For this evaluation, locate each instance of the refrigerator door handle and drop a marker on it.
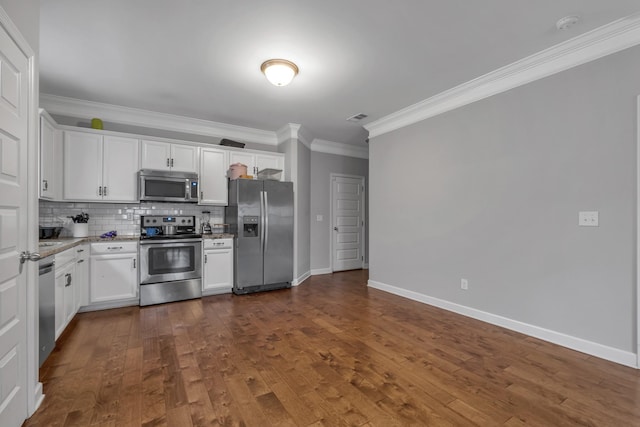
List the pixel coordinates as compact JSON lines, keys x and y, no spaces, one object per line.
{"x":266,"y":220}
{"x":262,"y":215}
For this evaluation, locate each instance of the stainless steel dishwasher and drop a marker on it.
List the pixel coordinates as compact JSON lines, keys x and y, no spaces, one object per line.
{"x":46,"y":307}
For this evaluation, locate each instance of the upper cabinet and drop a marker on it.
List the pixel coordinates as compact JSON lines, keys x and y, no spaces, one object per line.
{"x":165,"y":156}
{"x":100,"y":168}
{"x":258,"y":161}
{"x":213,"y":177}
{"x":50,"y":159}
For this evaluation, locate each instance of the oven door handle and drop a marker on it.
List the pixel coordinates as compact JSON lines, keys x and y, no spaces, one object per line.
{"x":173,"y":242}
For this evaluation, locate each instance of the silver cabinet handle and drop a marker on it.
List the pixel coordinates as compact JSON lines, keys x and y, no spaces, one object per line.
{"x":168,"y":162}
{"x":105,"y":191}
{"x":68,"y":280}
{"x":80,"y":261}
{"x":114,"y":248}
{"x":202,"y":195}
{"x":205,"y":258}
{"x":134,"y":263}
{"x":100,"y":191}
{"x":46,"y":184}
{"x":335,"y":228}
{"x":80,"y":250}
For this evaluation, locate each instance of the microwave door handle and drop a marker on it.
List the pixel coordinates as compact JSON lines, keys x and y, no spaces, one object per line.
{"x":187,"y":190}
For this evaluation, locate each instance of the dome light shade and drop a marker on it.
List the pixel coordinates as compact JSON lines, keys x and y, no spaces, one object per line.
{"x":279,"y":72}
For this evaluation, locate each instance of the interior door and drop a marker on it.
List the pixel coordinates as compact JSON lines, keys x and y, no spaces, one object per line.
{"x":347,"y":222}
{"x":14,"y":103}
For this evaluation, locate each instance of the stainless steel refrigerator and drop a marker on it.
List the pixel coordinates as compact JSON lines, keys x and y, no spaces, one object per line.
{"x":260,"y":214}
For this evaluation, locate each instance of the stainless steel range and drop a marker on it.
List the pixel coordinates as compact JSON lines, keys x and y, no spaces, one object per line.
{"x":170,"y":259}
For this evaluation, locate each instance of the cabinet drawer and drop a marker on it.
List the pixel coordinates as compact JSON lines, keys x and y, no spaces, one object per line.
{"x":64,"y":258}
{"x":218,"y":243}
{"x":114,"y":247}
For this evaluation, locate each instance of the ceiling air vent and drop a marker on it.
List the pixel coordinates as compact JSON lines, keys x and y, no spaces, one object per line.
{"x":357,"y":117}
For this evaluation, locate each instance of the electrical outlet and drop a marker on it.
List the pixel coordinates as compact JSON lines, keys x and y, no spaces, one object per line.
{"x":464,"y":284}
{"x":588,"y":219}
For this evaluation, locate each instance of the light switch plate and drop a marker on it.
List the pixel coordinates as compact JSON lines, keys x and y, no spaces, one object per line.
{"x":588,"y":219}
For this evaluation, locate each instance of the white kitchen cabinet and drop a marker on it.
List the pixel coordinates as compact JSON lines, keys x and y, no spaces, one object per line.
{"x":218,"y":266}
{"x":257,"y":161}
{"x":100,"y":168}
{"x":64,"y":295}
{"x":165,"y":156}
{"x":50,"y":158}
{"x":213,"y":177}
{"x":81,"y":276}
{"x":113,"y":271}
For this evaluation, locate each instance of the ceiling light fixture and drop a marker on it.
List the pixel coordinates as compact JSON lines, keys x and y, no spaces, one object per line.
{"x":567,"y":22}
{"x":279,"y":72}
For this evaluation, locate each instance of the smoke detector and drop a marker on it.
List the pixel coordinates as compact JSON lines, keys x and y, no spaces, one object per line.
{"x":357,"y":117}
{"x":567,"y":22}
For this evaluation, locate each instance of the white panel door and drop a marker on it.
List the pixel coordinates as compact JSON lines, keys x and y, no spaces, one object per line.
{"x":213,"y":177}
{"x":120,"y":168}
{"x":14,"y":125}
{"x":47,"y":159}
{"x":184,"y":158}
{"x":155,"y":155}
{"x":348,"y":223}
{"x":82,"y":166}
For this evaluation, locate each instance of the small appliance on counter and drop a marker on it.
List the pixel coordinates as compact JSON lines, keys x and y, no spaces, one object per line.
{"x":170,"y":259}
{"x":205,"y":222}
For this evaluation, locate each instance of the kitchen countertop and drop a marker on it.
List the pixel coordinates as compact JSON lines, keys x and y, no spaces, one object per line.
{"x":55,"y":246}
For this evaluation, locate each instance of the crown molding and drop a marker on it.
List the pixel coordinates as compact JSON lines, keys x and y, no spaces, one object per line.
{"x":600,"y":42}
{"x":81,"y":109}
{"x":340,"y":149}
{"x":294,"y":131}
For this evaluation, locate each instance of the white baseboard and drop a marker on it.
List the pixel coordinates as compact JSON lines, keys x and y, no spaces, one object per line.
{"x":594,"y":349}
{"x":38,"y":397}
{"x":304,"y":276}
{"x":318,"y":271}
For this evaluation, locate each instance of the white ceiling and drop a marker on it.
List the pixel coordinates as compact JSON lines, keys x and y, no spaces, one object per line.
{"x":201,"y":58}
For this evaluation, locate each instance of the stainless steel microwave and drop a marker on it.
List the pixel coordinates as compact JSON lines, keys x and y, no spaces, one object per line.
{"x":165,"y":186}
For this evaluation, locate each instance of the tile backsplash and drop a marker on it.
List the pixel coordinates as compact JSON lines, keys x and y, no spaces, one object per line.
{"x":122,"y":217}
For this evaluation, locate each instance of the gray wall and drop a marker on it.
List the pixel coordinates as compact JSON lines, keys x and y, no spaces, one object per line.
{"x":322,"y":166}
{"x":25,"y":14}
{"x":490,"y":192}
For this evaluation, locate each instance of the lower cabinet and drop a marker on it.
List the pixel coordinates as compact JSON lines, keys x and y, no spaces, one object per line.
{"x":65,"y":286}
{"x":81,"y":276}
{"x":218,"y":266}
{"x":114,"y":271}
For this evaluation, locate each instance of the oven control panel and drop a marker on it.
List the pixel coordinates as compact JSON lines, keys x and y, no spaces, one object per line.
{"x":159,"y":221}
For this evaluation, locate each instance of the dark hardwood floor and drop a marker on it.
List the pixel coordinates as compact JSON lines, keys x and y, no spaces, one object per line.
{"x":330,"y":352}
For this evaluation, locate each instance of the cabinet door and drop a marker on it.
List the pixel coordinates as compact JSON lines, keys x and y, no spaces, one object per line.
{"x":120,"y":168}
{"x":244,"y":158}
{"x":81,"y":276}
{"x":184,"y":158}
{"x":267,"y":161}
{"x":113,"y":277}
{"x":63,"y":297}
{"x":47,"y":159}
{"x":155,"y":155}
{"x":82,"y":166}
{"x":218,"y":270}
{"x":213,"y":177}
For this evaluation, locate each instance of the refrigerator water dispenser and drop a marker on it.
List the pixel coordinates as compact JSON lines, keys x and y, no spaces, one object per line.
{"x":250,"y":228}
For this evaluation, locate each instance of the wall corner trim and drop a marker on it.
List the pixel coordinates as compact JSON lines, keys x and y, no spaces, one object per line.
{"x":579,"y":344}
{"x":594,"y":44}
{"x":304,"y":276}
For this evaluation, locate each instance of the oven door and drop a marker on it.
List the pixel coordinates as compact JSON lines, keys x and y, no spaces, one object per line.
{"x":167,"y":261}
